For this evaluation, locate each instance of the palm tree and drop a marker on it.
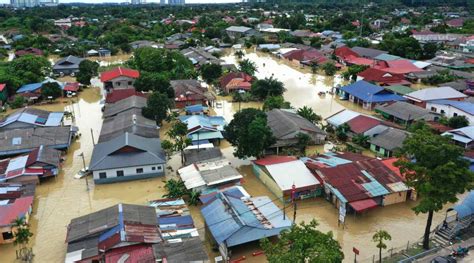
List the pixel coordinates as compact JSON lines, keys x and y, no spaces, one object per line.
{"x":361,"y":139}
{"x":248,"y":66}
{"x":308,"y":113}
{"x":22,"y":236}
{"x":239,"y":54}
{"x":379,"y":238}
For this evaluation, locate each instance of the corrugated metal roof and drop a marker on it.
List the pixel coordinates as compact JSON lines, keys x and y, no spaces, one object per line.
{"x":288,"y":173}
{"x":341,"y":117}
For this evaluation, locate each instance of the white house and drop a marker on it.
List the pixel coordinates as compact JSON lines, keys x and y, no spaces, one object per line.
{"x":451,"y":108}
{"x":127,"y":157}
{"x":119,"y":78}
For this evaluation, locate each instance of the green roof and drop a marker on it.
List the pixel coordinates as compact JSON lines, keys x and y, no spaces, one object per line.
{"x":400,"y":89}
{"x":387,"y":57}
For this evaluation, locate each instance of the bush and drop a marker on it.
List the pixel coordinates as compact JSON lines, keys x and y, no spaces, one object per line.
{"x":18,"y":102}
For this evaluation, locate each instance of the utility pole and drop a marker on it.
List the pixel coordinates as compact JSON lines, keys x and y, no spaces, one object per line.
{"x":294,"y":212}
{"x":93,"y":141}
{"x":85,"y":170}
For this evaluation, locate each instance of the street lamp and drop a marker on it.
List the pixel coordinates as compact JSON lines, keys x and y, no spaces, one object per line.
{"x":85,"y":170}
{"x":240,"y":91}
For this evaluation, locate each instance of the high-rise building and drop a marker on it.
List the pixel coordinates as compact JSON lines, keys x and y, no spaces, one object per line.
{"x":172,"y":2}
{"x":138,"y":2}
{"x":24,"y":3}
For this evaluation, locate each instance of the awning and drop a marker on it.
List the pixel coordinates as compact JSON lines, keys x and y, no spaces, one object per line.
{"x":362,"y":205}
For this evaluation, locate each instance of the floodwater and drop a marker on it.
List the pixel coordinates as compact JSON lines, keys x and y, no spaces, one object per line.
{"x":59,"y":200}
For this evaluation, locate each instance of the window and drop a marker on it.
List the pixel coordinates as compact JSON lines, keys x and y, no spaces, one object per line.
{"x":129,"y":83}
{"x":7,"y":235}
{"x":433,"y":109}
{"x":139,"y":170}
{"x":118,"y":83}
{"x":103,"y":175}
{"x":455,"y":114}
{"x":153,"y":168}
{"x":159,"y":167}
{"x":119,"y":173}
{"x":442,"y":111}
{"x":377,"y":148}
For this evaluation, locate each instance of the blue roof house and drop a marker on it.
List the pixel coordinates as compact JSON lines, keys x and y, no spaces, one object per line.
{"x":367,"y":94}
{"x":201,"y":127}
{"x":235,"y":219}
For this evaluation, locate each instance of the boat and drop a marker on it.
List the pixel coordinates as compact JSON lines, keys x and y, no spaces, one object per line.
{"x":322,"y":93}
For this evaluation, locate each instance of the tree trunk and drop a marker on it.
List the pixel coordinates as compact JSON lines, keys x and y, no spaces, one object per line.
{"x":426,"y":237}
{"x":380,"y":255}
{"x":182,"y":157}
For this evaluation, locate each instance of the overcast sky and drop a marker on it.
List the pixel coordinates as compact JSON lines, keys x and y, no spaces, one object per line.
{"x":148,"y":1}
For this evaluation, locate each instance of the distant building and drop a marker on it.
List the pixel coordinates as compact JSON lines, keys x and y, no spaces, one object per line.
{"x":138,"y":2}
{"x":67,"y":66}
{"x":24,"y":3}
{"x":172,"y":2}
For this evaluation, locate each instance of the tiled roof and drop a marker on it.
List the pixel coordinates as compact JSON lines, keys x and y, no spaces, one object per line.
{"x":119,"y":72}
{"x":377,"y":75}
{"x":120,"y":94}
{"x":19,"y":208}
{"x":362,"y":123}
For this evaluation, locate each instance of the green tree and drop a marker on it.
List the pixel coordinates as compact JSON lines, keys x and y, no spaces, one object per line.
{"x":352,"y":71}
{"x":275,"y":102}
{"x":194,"y":197}
{"x":175,"y":189}
{"x":87,"y":70}
{"x":179,"y":134}
{"x":267,"y":87}
{"x":18,"y":102}
{"x":168,"y":147}
{"x":362,"y":140}
{"x":247,"y":66}
{"x":303,"y":141}
{"x":329,"y":68}
{"x":22,"y":235}
{"x":158,"y":105}
{"x":211,"y":72}
{"x":438,"y":175}
{"x":379,"y":238}
{"x":303,"y":243}
{"x":154,"y":81}
{"x":249,"y":133}
{"x":308,"y":113}
{"x":341,"y":131}
{"x":239,"y":54}
{"x":30,"y":69}
{"x":457,"y":122}
{"x":51,"y":90}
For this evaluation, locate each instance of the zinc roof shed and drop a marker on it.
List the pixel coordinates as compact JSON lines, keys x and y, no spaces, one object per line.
{"x":341,"y":117}
{"x":439,"y":93}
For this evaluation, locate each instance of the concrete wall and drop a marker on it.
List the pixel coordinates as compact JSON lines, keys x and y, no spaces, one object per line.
{"x":449,"y":111}
{"x":381,"y":151}
{"x":130,"y":173}
{"x":268,"y":181}
{"x":122,"y":83}
{"x":394,"y":198}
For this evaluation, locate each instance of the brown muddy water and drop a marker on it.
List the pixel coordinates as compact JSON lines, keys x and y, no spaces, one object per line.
{"x":61,"y":199}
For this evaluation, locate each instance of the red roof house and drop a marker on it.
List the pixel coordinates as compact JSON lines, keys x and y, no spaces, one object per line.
{"x":356,"y":60}
{"x":382,"y":78}
{"x":362,"y":124}
{"x":457,"y":22}
{"x":29,"y":51}
{"x":119,"y":78}
{"x":399,"y":66}
{"x":236,"y":81}
{"x":120,"y":94}
{"x":305,"y":56}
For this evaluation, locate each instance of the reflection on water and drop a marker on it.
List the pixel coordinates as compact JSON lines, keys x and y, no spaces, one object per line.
{"x":61,"y":199}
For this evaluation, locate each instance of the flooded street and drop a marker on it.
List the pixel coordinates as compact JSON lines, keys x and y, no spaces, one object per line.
{"x":59,"y":200}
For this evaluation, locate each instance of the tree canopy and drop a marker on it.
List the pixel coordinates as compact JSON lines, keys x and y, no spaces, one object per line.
{"x":154,"y":81}
{"x":87,"y":70}
{"x":275,"y":102}
{"x":435,"y":167}
{"x":158,"y":105}
{"x":308,"y":113}
{"x":267,"y":87}
{"x":249,"y":133}
{"x":211,"y":72}
{"x":51,"y":90}
{"x":303,"y":243}
{"x":247,"y":66}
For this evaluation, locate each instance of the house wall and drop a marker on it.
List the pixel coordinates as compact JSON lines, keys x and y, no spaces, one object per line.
{"x":449,"y":111}
{"x":394,"y":198}
{"x":122,"y":83}
{"x":381,"y":151}
{"x":268,"y":181}
{"x":6,"y":229}
{"x":130,"y":173}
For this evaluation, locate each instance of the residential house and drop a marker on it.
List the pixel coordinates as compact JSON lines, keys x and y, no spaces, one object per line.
{"x":382,"y":78}
{"x":131,"y":121}
{"x":209,"y":176}
{"x":234,"y":218}
{"x":32,"y":91}
{"x":24,"y":140}
{"x":201,"y":155}
{"x":63,"y":23}
{"x":399,"y":89}
{"x":452,"y":108}
{"x":369,"y":53}
{"x":399,"y":66}
{"x":463,"y":137}
{"x":119,"y":78}
{"x":40,"y":163}
{"x":191,"y":92}
{"x":404,"y":113}
{"x":423,"y":96}
{"x":385,"y":143}
{"x":143,"y":43}
{"x":236,"y":32}
{"x":28,"y":51}
{"x":67,"y":66}
{"x":30,"y":118}
{"x":130,"y":103}
{"x":235,"y":81}
{"x":367,"y":95}
{"x":130,"y":232}
{"x":308,"y":57}
{"x":366,"y":126}
{"x":287,"y":177}
{"x":357,"y":186}
{"x":16,"y":201}
{"x":116,"y":95}
{"x":455,"y":23}
{"x":70,"y":88}
{"x":204,"y":128}
{"x":199,"y":56}
{"x":286,"y":125}
{"x":3,"y":93}
{"x":127,"y":157}
{"x":341,"y":117}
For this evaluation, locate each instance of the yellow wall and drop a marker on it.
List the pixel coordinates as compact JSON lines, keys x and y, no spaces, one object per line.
{"x":394,"y":198}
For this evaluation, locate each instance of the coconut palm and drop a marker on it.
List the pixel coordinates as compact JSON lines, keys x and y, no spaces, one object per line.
{"x":379,"y":238}
{"x":248,"y":66}
{"x":308,"y":113}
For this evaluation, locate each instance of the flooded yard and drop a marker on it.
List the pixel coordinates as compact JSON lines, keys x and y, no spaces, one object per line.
{"x":63,"y":198}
